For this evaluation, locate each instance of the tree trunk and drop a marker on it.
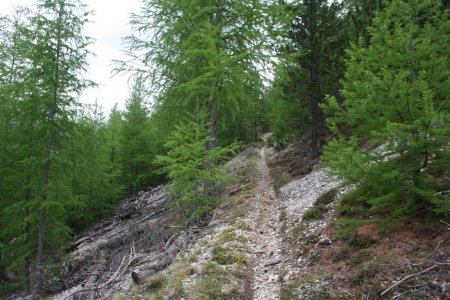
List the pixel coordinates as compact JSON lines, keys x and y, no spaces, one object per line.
{"x":40,"y":264}
{"x":28,"y":196}
{"x":314,"y":126}
{"x":27,"y":263}
{"x":314,"y":77}
{"x":214,"y":115}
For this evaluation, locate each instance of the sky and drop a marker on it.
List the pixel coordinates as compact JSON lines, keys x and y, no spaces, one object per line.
{"x":108,"y":25}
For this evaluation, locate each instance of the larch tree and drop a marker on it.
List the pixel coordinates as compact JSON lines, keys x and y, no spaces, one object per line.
{"x":199,"y":54}
{"x":112,"y":130}
{"x":135,"y":150}
{"x":195,"y":170}
{"x":60,"y":55}
{"x":396,"y":99}
{"x":47,"y":58}
{"x":15,"y":144}
{"x":93,"y":180}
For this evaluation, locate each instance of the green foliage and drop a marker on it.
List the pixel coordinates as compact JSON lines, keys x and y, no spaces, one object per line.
{"x":136,"y":152}
{"x":196,"y":173}
{"x":93,"y":174}
{"x":202,"y":54}
{"x":226,"y":256}
{"x":316,"y":212}
{"x":156,"y":283}
{"x":359,"y":17}
{"x":310,"y":67}
{"x":52,"y":155}
{"x":327,"y":197}
{"x":396,"y":96}
{"x":286,"y":116}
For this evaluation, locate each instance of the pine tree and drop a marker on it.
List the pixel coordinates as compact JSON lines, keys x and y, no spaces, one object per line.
{"x":112,"y":130}
{"x":396,"y":100}
{"x":136,"y":153}
{"x":48,"y":52}
{"x":200,"y":54}
{"x":195,"y":171}
{"x":317,"y":42}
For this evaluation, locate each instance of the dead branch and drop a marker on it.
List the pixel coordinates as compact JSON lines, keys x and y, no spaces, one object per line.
{"x":169,"y":241}
{"x":162,"y":260}
{"x":443,"y":222}
{"x":115,"y":275}
{"x":151,"y":215}
{"x":273,"y":262}
{"x":407,"y":277}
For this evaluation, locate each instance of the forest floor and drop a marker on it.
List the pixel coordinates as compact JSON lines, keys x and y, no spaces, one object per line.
{"x":408,"y":260}
{"x":275,"y":236}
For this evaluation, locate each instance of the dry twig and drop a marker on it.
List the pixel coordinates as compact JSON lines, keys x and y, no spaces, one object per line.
{"x":407,"y":277}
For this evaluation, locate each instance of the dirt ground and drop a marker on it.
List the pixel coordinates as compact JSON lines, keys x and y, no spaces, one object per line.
{"x":410,"y":260}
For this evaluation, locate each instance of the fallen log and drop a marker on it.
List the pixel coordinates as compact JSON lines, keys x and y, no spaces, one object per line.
{"x":89,"y":292}
{"x":162,"y":260}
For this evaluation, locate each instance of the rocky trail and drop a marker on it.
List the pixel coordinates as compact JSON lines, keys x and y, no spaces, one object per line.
{"x":265,"y":235}
{"x":271,"y":214}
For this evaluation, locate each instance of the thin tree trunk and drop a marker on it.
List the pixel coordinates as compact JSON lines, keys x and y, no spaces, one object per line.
{"x":314,"y":125}
{"x":214,"y":115}
{"x":27,"y":199}
{"x":27,"y":264}
{"x":40,"y":264}
{"x":314,"y":80}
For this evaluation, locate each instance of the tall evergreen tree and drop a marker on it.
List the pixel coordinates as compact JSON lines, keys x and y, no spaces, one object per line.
{"x":316,"y":48}
{"x":136,"y":153}
{"x":200,"y":53}
{"x":48,"y":55}
{"x":112,"y":130}
{"x":93,"y":180}
{"x":360,"y":15}
{"x":60,"y":56}
{"x":195,"y":171}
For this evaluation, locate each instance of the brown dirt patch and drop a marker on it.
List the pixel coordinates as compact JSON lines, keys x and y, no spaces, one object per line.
{"x":366,"y":263}
{"x":291,"y":163}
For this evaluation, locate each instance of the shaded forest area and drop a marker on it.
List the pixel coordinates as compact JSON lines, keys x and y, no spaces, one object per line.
{"x":372,"y":76}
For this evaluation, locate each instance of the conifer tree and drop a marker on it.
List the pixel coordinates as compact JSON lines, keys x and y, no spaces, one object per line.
{"x":396,"y":100}
{"x":48,"y":55}
{"x":199,"y":53}
{"x":360,"y":15}
{"x":112,"y":130}
{"x":316,"y":50}
{"x":93,"y":181}
{"x":136,"y":153}
{"x":195,"y":171}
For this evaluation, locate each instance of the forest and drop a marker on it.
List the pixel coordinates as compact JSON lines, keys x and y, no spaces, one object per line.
{"x":366,"y":81}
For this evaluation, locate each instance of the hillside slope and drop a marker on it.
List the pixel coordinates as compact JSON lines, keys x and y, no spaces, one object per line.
{"x":273,"y":237}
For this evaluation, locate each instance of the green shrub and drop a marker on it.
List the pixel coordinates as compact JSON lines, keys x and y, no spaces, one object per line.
{"x":227,"y":256}
{"x":327,"y":197}
{"x":315,"y":213}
